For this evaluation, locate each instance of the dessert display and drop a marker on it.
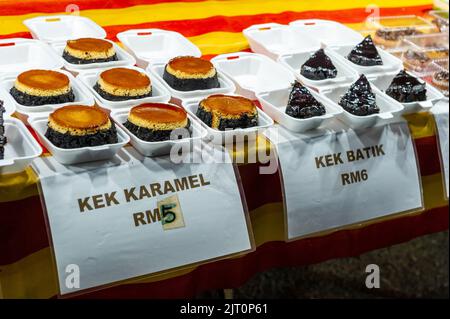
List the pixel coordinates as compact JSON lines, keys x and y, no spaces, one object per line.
{"x":89,"y":50}
{"x":2,"y":132}
{"x":302,"y":104}
{"x":440,"y":80}
{"x":365,"y":53}
{"x":154,"y":122}
{"x":406,"y":88}
{"x":223,"y":112}
{"x":389,"y":38}
{"x":76,"y":126}
{"x":122,"y":84}
{"x":40,"y":87}
{"x":359,"y":99}
{"x":415,"y":60}
{"x":318,"y":67}
{"x":188,"y":73}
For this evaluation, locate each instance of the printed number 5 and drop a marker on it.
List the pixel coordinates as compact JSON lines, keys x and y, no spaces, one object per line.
{"x":168,"y":216}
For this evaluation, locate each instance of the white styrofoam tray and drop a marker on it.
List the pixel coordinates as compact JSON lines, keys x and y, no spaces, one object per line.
{"x":228,"y":136}
{"x":151,"y":46}
{"x":328,"y":32}
{"x":162,"y":147}
{"x":253,"y":73}
{"x":273,"y":40}
{"x":18,"y":55}
{"x":82,"y":96}
{"x":124,"y":59}
{"x":59,"y":28}
{"x":274,"y":103}
{"x":159,"y":91}
{"x":226,"y":85}
{"x":21,"y":147}
{"x":389,"y":108}
{"x":390,"y":62}
{"x":294,"y":62}
{"x":77,"y":155}
{"x":433,"y":95}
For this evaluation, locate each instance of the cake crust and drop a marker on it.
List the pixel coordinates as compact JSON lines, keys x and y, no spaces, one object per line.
{"x":189,"y":67}
{"x":158,"y":116}
{"x":42,"y":83}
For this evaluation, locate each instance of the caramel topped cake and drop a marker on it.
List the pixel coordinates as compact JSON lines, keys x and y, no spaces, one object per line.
{"x":121,"y":84}
{"x":76,"y":126}
{"x":39,"y":87}
{"x":223,"y":112}
{"x":89,"y":50}
{"x":188,"y":73}
{"x":153,"y":122}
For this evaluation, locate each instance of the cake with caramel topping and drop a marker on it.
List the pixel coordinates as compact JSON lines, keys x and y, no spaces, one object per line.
{"x":223,"y":112}
{"x":76,"y":126}
{"x":89,"y":50}
{"x":188,"y":73}
{"x":154,"y":122}
{"x":40,"y":87}
{"x":121,"y":84}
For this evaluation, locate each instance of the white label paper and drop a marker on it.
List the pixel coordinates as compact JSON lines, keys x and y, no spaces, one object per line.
{"x":123,"y":221}
{"x":337,"y":179}
{"x":441,"y":118}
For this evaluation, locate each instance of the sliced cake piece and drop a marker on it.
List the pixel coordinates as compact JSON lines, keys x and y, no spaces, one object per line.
{"x":302,"y":104}
{"x":407,"y":88}
{"x":359,"y":99}
{"x":318,"y":67}
{"x":365,"y":53}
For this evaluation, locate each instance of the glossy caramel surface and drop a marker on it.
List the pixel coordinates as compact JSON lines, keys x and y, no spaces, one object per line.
{"x":90,"y":45}
{"x":44,"y":79}
{"x":79,"y":117}
{"x":158,"y":112}
{"x":228,"y":104}
{"x":190,"y":65}
{"x":125,"y":78}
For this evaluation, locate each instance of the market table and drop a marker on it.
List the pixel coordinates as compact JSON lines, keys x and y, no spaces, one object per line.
{"x":26,"y":264}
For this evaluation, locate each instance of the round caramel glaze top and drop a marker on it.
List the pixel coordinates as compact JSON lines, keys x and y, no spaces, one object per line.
{"x":44,"y":79}
{"x":228,"y":104}
{"x":79,"y":117}
{"x":125,"y":78}
{"x":190,"y":65}
{"x":159,"y":113}
{"x":90,"y":45}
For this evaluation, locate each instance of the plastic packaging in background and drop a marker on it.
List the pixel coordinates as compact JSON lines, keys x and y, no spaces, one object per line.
{"x":274,"y":39}
{"x":253,"y":73}
{"x":19,"y":55}
{"x":429,"y":75}
{"x":228,"y":136}
{"x":389,"y":31}
{"x":434,"y":45}
{"x":77,"y":155}
{"x":198,"y":132}
{"x":60,"y":28}
{"x":152,"y":46}
{"x":440,"y":19}
{"x":274,"y":104}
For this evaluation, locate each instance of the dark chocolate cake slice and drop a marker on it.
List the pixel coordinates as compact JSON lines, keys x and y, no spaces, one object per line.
{"x":2,"y":131}
{"x":365,"y":53}
{"x":318,"y":67}
{"x":407,"y":88}
{"x":302,"y":104}
{"x":359,"y":99}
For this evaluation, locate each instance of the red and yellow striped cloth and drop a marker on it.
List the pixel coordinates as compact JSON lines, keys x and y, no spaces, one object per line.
{"x":26,"y":268}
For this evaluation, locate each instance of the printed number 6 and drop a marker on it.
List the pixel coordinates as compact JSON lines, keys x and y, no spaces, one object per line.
{"x":168,"y":215}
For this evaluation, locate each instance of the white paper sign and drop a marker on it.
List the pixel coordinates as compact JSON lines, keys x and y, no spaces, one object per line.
{"x":440,"y":112}
{"x":105,"y":223}
{"x":337,"y":179}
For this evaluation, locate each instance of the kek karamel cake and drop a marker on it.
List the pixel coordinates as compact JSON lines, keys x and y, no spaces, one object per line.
{"x":76,"y":126}
{"x":122,"y":84}
{"x":188,"y":73}
{"x":89,"y":50}
{"x":359,"y":99}
{"x":365,"y":53}
{"x":154,"y":122}
{"x":223,"y":112}
{"x":318,"y":67}
{"x":40,"y":87}
{"x":406,"y":88}
{"x":302,"y":104}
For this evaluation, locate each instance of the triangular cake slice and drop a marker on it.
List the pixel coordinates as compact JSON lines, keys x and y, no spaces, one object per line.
{"x":318,"y":67}
{"x":407,"y":88}
{"x":365,"y":53}
{"x":302,"y":104}
{"x":359,"y":99}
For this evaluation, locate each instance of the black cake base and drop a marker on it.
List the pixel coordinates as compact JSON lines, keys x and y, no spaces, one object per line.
{"x":32,"y":100}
